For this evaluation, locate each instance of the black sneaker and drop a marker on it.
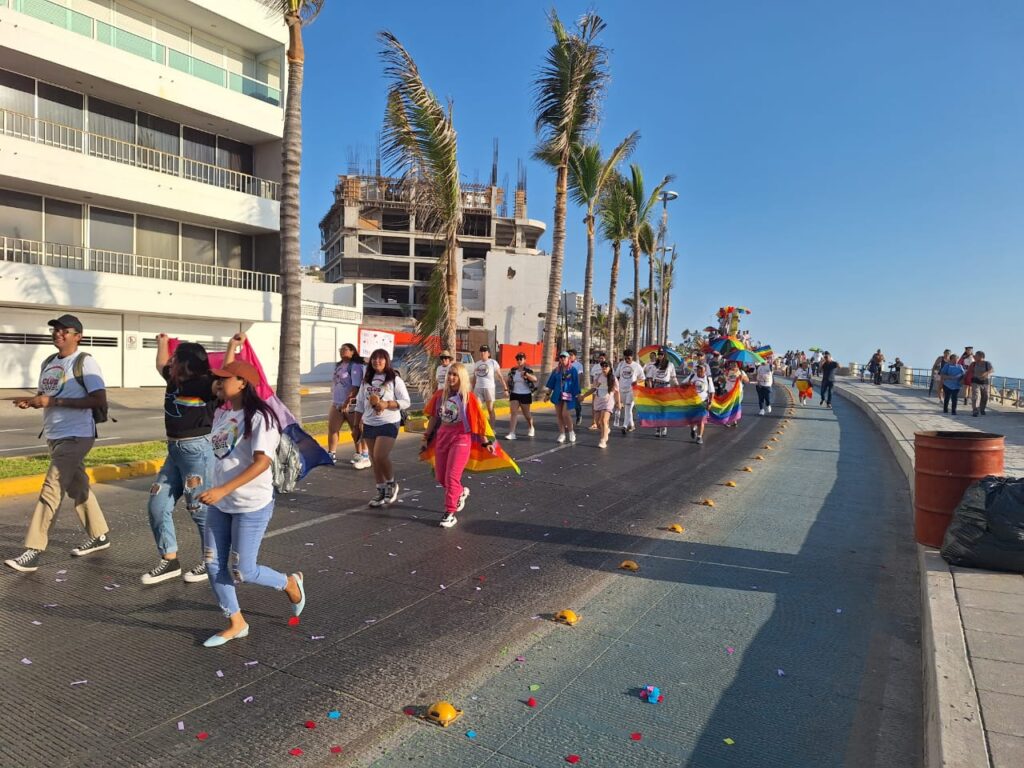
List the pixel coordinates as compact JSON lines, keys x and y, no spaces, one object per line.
{"x":462,"y":500}
{"x":167,"y":569}
{"x":391,"y":492}
{"x":382,"y":497}
{"x":92,"y":545}
{"x":196,"y":574}
{"x":26,"y":562}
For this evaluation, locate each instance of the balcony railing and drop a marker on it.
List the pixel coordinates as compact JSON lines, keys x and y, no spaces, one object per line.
{"x":122,"y":39}
{"x":21,"y":251}
{"x":66,"y":137}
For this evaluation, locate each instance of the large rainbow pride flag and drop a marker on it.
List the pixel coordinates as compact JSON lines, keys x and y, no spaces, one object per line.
{"x":725,"y":407}
{"x":682,"y":406}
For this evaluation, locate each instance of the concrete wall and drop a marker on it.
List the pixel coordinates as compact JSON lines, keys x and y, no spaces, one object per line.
{"x":513,"y":304}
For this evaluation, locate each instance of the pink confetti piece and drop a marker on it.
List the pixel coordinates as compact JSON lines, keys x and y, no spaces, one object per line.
{"x":330,"y":557}
{"x":636,"y":736}
{"x":181,"y":725}
{"x":534,"y":567}
{"x":251,"y":663}
{"x":443,"y":587}
{"x":248,"y":700}
{"x":317,"y":637}
{"x":26,"y":661}
{"x":392,"y":554}
{"x":839,"y":610}
{"x":79,"y":682}
{"x":730,"y":650}
{"x":310,"y":544}
{"x":220,"y":673}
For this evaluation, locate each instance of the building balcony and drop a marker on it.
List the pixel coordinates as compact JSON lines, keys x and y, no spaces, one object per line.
{"x":76,"y":140}
{"x":74,"y":257}
{"x":129,"y":42}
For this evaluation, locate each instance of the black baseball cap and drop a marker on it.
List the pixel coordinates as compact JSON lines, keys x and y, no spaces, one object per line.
{"x":520,"y":356}
{"x":67,"y":321}
{"x":484,"y":348}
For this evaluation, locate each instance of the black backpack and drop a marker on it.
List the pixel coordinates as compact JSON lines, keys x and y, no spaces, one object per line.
{"x":99,"y":414}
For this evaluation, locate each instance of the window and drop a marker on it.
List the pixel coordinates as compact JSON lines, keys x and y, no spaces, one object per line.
{"x":17,"y":93}
{"x":63,"y":222}
{"x":234,"y":250}
{"x":111,"y":131}
{"x":234,"y":155}
{"x":60,"y":108}
{"x":268,"y":254}
{"x":161,"y":135}
{"x":197,"y":245}
{"x":476,"y":322}
{"x":21,"y":215}
{"x":424,"y":271}
{"x":111,"y":230}
{"x":157,"y":238}
{"x":199,"y":145}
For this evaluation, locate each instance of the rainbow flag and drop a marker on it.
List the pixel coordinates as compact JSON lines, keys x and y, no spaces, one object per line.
{"x":669,"y":406}
{"x":480,"y":459}
{"x":726,"y":407}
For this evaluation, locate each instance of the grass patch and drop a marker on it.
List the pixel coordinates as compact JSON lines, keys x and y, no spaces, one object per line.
{"x":20,"y":466}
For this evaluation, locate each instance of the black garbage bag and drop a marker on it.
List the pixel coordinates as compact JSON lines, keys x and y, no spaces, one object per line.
{"x":987,"y":530}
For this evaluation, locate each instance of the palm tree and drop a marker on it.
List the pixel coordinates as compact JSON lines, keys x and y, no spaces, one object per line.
{"x":615,"y":212}
{"x":567,"y":96}
{"x":667,"y":273}
{"x":642,"y":205}
{"x":419,"y":141}
{"x":296,"y":14}
{"x":588,"y":175}
{"x":648,"y":247}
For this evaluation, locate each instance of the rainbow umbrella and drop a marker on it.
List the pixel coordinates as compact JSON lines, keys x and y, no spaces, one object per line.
{"x":673,"y":356}
{"x":727,"y":344}
{"x":745,"y":357}
{"x":742,"y":310}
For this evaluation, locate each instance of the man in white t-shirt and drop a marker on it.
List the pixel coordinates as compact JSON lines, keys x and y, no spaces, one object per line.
{"x":486,"y":375}
{"x":765,"y":379}
{"x":650,"y":368}
{"x":629,"y":373}
{"x":70,"y":387}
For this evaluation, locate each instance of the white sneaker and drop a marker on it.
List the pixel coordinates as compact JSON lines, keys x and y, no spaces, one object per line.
{"x":530,"y":432}
{"x":334,"y":457}
{"x":462,"y":500}
{"x":603,"y":444}
{"x":769,"y":409}
{"x":761,"y":412}
{"x":572,"y":437}
{"x":448,"y":521}
{"x":355,"y":458}
{"x":510,"y":436}
{"x":561,"y":437}
{"x":363,"y":462}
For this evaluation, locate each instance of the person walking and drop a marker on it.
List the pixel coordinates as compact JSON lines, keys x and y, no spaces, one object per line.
{"x":965,"y":362}
{"x":875,"y":366}
{"x":981,"y":377}
{"x":382,"y":396}
{"x":189,"y":404}
{"x":765,"y":378}
{"x":70,"y":392}
{"x":629,"y":373}
{"x":595,"y":371}
{"x":441,"y":373}
{"x":803,"y":383}
{"x":735,"y":376}
{"x":348,"y":374}
{"x":663,"y":375}
{"x":650,"y":367}
{"x":563,"y":388}
{"x":704,"y":385}
{"x":486,"y":375}
{"x":952,"y":374}
{"x":245,"y":437}
{"x":575,"y":363}
{"x":828,"y":378}
{"x":936,"y":379}
{"x":607,"y":399}
{"x":456,"y":420}
{"x":522,"y":383}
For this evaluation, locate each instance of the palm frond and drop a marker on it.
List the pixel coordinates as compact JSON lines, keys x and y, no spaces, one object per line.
{"x":306,"y":10}
{"x":584,"y":173}
{"x":615,"y":210}
{"x":646,"y":238}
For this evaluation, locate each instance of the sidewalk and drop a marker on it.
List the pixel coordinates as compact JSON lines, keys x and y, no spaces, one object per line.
{"x":973,"y":621}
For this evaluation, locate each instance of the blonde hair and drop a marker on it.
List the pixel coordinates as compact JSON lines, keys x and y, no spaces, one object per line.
{"x":464,"y":390}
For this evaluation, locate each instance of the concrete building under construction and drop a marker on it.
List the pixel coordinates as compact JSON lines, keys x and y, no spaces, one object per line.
{"x":371,"y":236}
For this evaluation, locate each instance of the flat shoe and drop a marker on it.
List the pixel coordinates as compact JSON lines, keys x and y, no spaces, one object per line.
{"x":297,"y":607}
{"x":215,"y":641}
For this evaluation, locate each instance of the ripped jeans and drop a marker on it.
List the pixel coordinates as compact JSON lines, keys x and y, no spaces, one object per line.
{"x":186,"y":472}
{"x":232,"y":545}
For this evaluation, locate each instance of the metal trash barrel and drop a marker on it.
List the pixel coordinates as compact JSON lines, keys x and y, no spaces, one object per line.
{"x":945,"y":463}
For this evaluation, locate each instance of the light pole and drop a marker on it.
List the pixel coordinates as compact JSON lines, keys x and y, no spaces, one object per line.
{"x":664,"y":196}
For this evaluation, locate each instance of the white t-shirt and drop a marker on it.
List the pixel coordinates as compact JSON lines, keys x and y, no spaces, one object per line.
{"x":442,"y":374}
{"x":764,"y":375}
{"x":595,"y":371}
{"x":450,"y":411}
{"x":732,"y":378}
{"x":703,"y":384}
{"x":233,"y":454}
{"x":57,"y":379}
{"x":628,"y":374}
{"x":520,"y":386}
{"x":604,"y":400}
{"x":663,"y":378}
{"x":387,"y":391}
{"x":485,"y":372}
{"x":802,"y":374}
{"x":649,"y":370}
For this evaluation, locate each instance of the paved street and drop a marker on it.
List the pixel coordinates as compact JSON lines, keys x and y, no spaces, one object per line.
{"x":806,"y":566}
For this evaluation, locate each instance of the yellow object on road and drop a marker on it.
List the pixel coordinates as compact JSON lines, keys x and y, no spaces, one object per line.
{"x":567,"y":617}
{"x":708,"y":503}
{"x":629,"y":565}
{"x":676,"y":528}
{"x":443,"y":713}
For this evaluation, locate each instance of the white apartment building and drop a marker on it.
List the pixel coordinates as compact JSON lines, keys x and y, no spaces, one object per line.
{"x":140,"y":161}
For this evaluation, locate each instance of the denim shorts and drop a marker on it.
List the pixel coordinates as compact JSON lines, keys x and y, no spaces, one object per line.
{"x":384,"y":430}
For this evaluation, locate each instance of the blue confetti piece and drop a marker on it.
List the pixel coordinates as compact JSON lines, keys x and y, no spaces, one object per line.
{"x":334,"y":714}
{"x":470,"y":734}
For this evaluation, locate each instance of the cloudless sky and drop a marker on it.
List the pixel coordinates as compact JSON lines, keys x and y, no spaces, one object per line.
{"x":852,"y":172}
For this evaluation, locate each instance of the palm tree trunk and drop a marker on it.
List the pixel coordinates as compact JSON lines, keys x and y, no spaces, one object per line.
{"x":451,"y":280}
{"x":588,"y":298}
{"x":667,"y":303}
{"x":635,"y":248}
{"x":613,"y":286}
{"x":653,"y":290}
{"x":291,"y":282}
{"x":555,"y":279}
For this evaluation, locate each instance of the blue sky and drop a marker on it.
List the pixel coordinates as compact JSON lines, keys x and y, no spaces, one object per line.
{"x":851,"y":172}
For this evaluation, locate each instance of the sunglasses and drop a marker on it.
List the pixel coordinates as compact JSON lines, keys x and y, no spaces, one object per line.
{"x":446,"y":357}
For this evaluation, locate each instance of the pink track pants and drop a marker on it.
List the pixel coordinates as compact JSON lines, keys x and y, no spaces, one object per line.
{"x":450,"y":456}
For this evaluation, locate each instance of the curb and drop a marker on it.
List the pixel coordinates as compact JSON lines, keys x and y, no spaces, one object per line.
{"x":954,"y":736}
{"x":109,"y":473}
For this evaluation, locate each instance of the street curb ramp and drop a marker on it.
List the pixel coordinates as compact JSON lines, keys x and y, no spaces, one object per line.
{"x":954,"y":734}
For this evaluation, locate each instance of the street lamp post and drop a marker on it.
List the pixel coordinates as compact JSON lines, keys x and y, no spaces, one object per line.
{"x":665,"y":196}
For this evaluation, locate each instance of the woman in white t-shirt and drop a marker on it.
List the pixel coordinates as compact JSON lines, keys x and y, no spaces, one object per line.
{"x":705,"y":388}
{"x":803,"y":383}
{"x":735,"y":375}
{"x":606,"y":400}
{"x":629,"y":373}
{"x":381,"y":399}
{"x":663,"y":374}
{"x":240,"y":504}
{"x":522,"y":382}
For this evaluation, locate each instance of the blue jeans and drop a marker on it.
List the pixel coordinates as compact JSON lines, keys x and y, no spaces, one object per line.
{"x":189,"y":463}
{"x":826,"y":391}
{"x":764,"y":397}
{"x":232,"y":545}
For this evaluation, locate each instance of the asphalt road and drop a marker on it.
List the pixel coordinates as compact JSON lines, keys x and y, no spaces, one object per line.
{"x":400,"y":612}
